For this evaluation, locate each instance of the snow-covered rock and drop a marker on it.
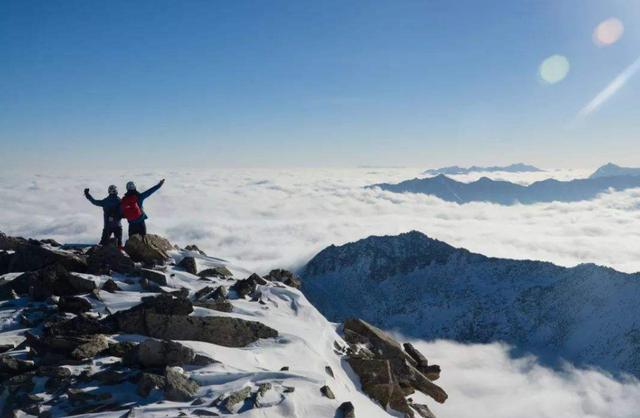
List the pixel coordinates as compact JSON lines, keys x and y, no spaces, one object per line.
{"x":277,"y":374}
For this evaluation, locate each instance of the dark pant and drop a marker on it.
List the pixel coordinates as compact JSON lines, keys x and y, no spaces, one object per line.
{"x":139,"y":228}
{"x":116,"y":230}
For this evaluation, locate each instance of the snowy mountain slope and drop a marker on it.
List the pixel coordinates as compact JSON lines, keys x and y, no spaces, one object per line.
{"x":290,"y":368}
{"x":427,"y":289}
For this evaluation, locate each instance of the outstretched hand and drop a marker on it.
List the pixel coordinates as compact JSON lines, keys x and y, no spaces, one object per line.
{"x":161,"y":182}
{"x":86,"y":191}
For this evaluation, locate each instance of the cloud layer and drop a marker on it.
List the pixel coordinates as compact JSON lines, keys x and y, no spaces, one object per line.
{"x":262,"y":219}
{"x":483,"y":381}
{"x":280,"y":218}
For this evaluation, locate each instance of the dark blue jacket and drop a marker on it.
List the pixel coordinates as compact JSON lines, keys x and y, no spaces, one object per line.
{"x":141,"y":197}
{"x":110,"y":208}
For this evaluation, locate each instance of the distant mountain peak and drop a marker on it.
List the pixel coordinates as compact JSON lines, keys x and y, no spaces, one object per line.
{"x":427,"y":288}
{"x":614,"y":170}
{"x":455,"y":170}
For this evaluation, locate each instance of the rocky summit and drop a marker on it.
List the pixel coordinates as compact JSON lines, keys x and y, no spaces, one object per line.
{"x":396,"y":282}
{"x":160,"y":331}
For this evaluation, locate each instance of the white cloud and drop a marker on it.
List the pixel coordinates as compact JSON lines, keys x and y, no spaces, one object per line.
{"x":279,"y":218}
{"x":484,"y":381}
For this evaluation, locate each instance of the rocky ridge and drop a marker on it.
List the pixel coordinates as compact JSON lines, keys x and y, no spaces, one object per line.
{"x":164,"y":331}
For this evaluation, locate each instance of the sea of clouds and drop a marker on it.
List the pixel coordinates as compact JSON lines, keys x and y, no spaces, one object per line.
{"x":261,"y":219}
{"x":484,"y":381}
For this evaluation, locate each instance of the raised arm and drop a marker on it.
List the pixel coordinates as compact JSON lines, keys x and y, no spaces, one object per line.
{"x":152,"y":190}
{"x":92,"y":200}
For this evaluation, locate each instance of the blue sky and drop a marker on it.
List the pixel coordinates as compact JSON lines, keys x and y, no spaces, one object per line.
{"x":95,"y":84}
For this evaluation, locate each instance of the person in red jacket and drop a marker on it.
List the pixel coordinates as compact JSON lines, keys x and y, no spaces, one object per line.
{"x":133,"y":210}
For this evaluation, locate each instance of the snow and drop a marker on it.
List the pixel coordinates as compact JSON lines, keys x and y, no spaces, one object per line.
{"x":305,"y":345}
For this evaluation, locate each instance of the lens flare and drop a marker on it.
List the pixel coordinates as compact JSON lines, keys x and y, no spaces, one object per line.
{"x":608,"y":32}
{"x":554,"y":69}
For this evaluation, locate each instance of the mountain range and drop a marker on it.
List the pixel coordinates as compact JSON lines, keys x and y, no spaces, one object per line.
{"x":508,"y":193}
{"x":611,"y":170}
{"x":454,"y":170}
{"x":425,"y":288}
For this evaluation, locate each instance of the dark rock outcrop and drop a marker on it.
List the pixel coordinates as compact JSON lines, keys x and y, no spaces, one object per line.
{"x":155,"y":276}
{"x":218,"y":271}
{"x":327,"y":392}
{"x":248,"y":286}
{"x":110,"y":286}
{"x":50,"y":280}
{"x":30,"y":255}
{"x":234,"y":401}
{"x":162,"y":353}
{"x":108,"y":258}
{"x":73,"y":304}
{"x":178,"y":387}
{"x":189,"y":265}
{"x":387,"y":372}
{"x":167,"y":317}
{"x":346,"y":410}
{"x":149,"y":250}
{"x":194,"y":248}
{"x":284,"y":276}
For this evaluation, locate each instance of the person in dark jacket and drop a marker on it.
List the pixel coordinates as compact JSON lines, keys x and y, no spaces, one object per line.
{"x":111,"y":210}
{"x":133,"y":210}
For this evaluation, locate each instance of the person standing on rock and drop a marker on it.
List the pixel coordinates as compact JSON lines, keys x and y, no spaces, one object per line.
{"x":132,"y":207}
{"x":111,"y":209}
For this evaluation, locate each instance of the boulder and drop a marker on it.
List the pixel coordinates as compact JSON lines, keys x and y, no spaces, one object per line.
{"x":188,"y":264}
{"x":346,"y":410}
{"x":204,"y":292}
{"x":216,"y":305}
{"x":73,"y":304}
{"x":178,"y":387}
{"x":11,"y":365}
{"x":166,"y":317}
{"x":149,"y":381}
{"x":375,"y":378}
{"x":327,"y":392}
{"x":284,"y":276}
{"x":248,"y":286}
{"x":195,"y":249}
{"x":110,"y":286}
{"x":381,"y":344}
{"x":108,"y":258}
{"x":33,"y":255}
{"x":217,"y":271}
{"x":162,"y":353}
{"x":123,"y":349}
{"x":76,"y":347}
{"x":155,"y":276}
{"x":149,"y":250}
{"x":51,"y":280}
{"x":89,"y":348}
{"x":423,"y":410}
{"x":432,"y":372}
{"x":226,"y":331}
{"x":376,"y":351}
{"x":80,"y":325}
{"x":235,"y":400}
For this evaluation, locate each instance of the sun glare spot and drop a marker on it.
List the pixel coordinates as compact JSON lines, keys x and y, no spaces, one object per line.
{"x":608,"y":32}
{"x":554,"y":69}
